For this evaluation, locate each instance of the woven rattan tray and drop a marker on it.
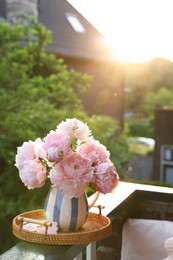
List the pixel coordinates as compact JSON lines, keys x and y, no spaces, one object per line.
{"x":95,"y":228}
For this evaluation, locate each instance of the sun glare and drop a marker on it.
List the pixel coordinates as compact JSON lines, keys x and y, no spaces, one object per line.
{"x":136,"y":30}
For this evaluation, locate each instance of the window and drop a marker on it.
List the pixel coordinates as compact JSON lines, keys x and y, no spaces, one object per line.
{"x":166,"y":164}
{"x":75,"y":23}
{"x":168,"y":174}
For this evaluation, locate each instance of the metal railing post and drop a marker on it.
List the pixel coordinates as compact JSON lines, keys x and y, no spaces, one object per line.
{"x":91,"y":251}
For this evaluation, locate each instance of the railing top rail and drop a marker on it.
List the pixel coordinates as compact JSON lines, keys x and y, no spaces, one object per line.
{"x":113,"y":202}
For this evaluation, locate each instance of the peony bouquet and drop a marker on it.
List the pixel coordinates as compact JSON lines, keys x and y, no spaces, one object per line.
{"x":70,"y":157}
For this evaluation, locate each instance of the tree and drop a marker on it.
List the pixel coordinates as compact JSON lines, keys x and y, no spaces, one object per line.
{"x":37,"y":92}
{"x":34,"y":86}
{"x":145,"y":77}
{"x":163,"y":97}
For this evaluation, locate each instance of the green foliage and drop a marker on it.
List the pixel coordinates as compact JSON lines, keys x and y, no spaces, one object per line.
{"x":103,"y":127}
{"x":37,"y":92}
{"x":145,"y":80}
{"x":120,"y":153}
{"x":36,"y":89}
{"x":149,"y":75}
{"x":140,"y":128}
{"x":106,"y":130}
{"x":163,"y":97}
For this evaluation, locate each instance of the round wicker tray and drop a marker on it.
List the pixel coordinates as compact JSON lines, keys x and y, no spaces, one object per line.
{"x":95,"y":228}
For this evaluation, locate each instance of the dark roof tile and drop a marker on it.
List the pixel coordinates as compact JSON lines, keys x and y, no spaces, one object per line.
{"x":66,"y":41}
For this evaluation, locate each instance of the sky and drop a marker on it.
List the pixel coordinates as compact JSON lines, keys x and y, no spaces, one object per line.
{"x":135,"y":30}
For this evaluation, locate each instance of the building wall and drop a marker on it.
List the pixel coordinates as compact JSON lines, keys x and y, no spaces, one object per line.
{"x":3,"y":9}
{"x":106,"y":94}
{"x":163,"y":136}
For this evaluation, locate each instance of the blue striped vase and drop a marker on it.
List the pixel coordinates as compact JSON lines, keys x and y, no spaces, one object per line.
{"x":70,"y":214}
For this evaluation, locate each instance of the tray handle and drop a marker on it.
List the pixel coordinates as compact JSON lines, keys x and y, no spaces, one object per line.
{"x":100,"y":207}
{"x":34,"y":221}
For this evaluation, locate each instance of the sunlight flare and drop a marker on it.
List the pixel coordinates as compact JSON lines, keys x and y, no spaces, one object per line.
{"x":135,"y":30}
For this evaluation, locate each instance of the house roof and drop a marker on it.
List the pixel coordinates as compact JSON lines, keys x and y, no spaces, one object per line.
{"x":66,"y":41}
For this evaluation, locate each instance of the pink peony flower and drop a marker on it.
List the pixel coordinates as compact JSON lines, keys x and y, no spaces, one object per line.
{"x":72,"y":175}
{"x":74,"y":129}
{"x":105,"y":178}
{"x":70,"y":157}
{"x":29,"y":151}
{"x":95,"y":151}
{"x":57,"y":146}
{"x":33,"y":174}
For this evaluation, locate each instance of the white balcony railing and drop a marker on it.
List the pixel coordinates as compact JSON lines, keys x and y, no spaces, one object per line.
{"x":124,"y":201}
